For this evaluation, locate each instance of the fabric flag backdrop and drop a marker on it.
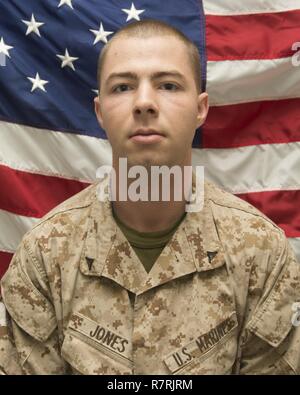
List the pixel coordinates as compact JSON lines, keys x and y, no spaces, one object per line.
{"x":51,"y":144}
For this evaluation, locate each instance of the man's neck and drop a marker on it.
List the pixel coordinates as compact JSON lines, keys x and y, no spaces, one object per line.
{"x":151,"y":216}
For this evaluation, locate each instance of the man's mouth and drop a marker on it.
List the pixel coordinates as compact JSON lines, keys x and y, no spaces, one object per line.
{"x":146,"y":136}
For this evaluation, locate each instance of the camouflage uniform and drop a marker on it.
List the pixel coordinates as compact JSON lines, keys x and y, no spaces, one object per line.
{"x":217,"y":301}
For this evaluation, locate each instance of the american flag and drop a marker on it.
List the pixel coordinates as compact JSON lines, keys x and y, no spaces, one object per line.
{"x":51,"y":144}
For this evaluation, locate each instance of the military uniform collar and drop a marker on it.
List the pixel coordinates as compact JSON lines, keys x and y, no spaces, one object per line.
{"x":193,"y":247}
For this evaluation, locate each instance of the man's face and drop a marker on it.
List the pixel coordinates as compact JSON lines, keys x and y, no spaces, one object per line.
{"x":149,"y":105}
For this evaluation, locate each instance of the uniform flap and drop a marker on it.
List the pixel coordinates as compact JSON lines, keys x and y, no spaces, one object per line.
{"x":26,"y":305}
{"x":273,"y":320}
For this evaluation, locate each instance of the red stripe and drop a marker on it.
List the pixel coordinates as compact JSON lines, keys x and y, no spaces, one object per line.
{"x":5,"y":258}
{"x":267,"y":122}
{"x":33,"y":195}
{"x":282,"y":207}
{"x":258,"y":36}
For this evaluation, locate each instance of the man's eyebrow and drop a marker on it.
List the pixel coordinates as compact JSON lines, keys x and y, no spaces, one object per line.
{"x":159,"y":74}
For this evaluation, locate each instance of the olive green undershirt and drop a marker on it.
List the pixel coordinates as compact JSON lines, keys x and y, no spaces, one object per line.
{"x":148,"y":245}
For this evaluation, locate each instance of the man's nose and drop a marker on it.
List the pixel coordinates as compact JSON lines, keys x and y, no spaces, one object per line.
{"x":145,"y":101}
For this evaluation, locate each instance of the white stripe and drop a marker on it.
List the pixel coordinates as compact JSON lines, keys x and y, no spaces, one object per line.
{"x":12,"y":229}
{"x":241,"y":81}
{"x":58,"y":154}
{"x":255,"y":168}
{"x":239,"y":170}
{"x":295,"y":243}
{"x":236,"y":7}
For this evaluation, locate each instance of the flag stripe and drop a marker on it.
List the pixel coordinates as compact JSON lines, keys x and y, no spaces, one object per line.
{"x":240,"y":81}
{"x":258,"y":36}
{"x":45,"y":192}
{"x":238,"y":7}
{"x":241,"y":166}
{"x":52,"y":153}
{"x":12,"y":228}
{"x":253,"y":168}
{"x":226,"y":127}
{"x":252,"y":123}
{"x":282,"y":207}
{"x":5,"y":258}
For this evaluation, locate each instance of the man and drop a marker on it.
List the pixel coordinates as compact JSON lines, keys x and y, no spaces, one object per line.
{"x":142,"y":287}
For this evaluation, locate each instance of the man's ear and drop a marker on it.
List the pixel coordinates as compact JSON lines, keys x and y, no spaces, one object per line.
{"x":203,"y":107}
{"x":98,"y":111}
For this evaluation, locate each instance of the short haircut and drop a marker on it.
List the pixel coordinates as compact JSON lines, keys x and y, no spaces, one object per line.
{"x":148,"y":28}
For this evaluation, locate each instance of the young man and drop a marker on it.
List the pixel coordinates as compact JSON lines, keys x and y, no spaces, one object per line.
{"x":142,"y":287}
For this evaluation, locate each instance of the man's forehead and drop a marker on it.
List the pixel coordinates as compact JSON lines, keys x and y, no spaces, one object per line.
{"x":146,"y":37}
{"x":118,"y":44}
{"x":125,"y":54}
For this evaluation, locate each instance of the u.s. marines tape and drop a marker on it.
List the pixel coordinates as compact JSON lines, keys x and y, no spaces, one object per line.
{"x":200,"y":345}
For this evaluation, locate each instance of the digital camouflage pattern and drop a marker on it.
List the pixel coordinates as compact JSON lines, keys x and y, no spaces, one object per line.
{"x":76,"y":299}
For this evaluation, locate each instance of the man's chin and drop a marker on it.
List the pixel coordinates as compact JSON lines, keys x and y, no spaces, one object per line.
{"x":148,"y":163}
{"x":145,"y":160}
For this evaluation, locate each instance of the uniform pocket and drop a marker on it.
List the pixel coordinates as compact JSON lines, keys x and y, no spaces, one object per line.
{"x":30,"y":309}
{"x":211,"y":353}
{"x":92,"y":349}
{"x":273,"y":325}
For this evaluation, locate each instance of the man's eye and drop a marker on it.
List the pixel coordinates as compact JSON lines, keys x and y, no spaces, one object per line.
{"x":121,"y":88}
{"x":169,"y":86}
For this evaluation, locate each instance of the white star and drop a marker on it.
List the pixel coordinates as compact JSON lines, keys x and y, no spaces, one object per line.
{"x":67,"y":60}
{"x":37,"y":83}
{"x":133,"y":13}
{"x":67,"y":2}
{"x":4,"y":48}
{"x":100,"y":34}
{"x":95,"y":91}
{"x":33,"y":26}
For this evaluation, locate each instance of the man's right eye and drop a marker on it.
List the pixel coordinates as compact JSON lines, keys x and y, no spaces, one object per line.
{"x":121,"y":88}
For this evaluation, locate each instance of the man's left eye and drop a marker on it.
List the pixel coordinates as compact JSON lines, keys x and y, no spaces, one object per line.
{"x":121,"y":88}
{"x":169,"y":86}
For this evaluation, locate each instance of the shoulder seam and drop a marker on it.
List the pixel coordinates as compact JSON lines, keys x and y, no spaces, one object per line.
{"x":58,"y":212}
{"x":258,"y":214}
